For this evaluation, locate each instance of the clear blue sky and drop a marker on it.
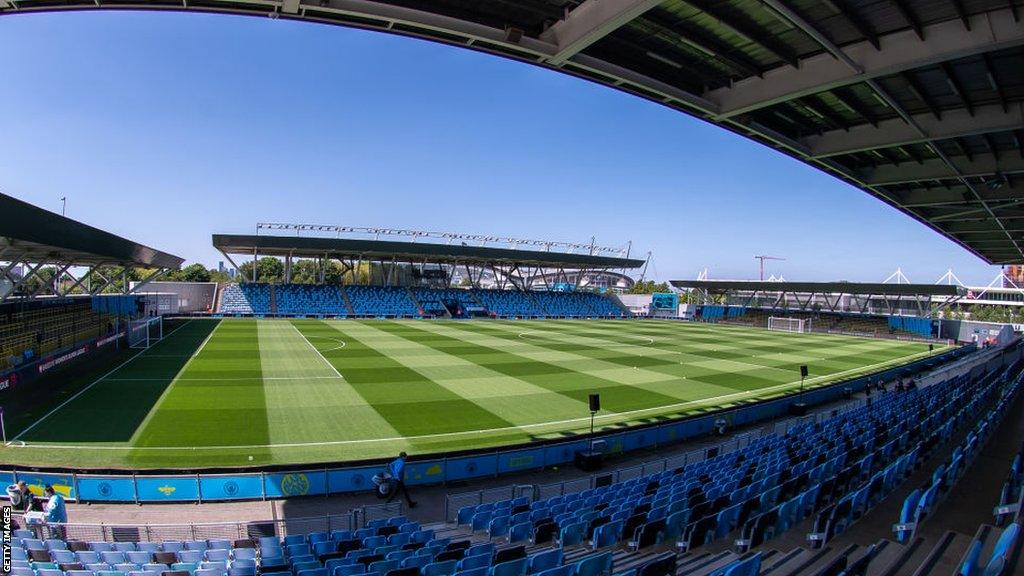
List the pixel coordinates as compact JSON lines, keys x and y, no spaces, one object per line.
{"x":167,"y":127}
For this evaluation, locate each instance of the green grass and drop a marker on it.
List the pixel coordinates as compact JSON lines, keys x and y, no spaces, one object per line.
{"x":215,"y":393}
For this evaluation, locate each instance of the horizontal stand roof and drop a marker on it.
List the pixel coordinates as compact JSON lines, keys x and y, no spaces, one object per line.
{"x":864,"y":288}
{"x":345,"y":248}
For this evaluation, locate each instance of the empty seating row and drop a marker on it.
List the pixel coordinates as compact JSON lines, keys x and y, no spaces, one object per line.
{"x":761,"y":490}
{"x":245,"y":299}
{"x":310,"y":299}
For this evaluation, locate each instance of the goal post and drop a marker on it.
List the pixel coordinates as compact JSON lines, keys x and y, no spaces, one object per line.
{"x":789,"y":324}
{"x":145,"y":332}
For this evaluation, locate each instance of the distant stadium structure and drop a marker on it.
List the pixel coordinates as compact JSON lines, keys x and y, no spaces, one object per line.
{"x":467,"y":275}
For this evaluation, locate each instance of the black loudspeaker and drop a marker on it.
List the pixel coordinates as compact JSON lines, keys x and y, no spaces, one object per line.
{"x":588,"y":461}
{"x":803,"y":370}
{"x":798,"y":409}
{"x":595,"y":402}
{"x":931,"y":347}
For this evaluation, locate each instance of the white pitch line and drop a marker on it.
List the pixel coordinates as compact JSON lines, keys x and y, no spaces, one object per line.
{"x":225,"y":379}
{"x":95,"y":382}
{"x":668,"y":407}
{"x":310,"y":344}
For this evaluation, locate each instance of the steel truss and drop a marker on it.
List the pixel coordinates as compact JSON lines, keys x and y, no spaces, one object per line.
{"x":64,"y":282}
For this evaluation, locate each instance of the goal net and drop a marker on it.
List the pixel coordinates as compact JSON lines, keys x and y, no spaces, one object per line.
{"x":145,"y":332}
{"x":789,"y":324}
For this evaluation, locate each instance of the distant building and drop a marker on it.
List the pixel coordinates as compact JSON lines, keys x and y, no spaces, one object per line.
{"x":1013,"y":274}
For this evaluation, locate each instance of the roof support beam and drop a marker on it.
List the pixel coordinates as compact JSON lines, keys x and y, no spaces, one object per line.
{"x":901,"y":51}
{"x":921,"y":198}
{"x":910,"y":18}
{"x":937,"y":169}
{"x":896,"y":132}
{"x":744,"y":30}
{"x":591,"y":21}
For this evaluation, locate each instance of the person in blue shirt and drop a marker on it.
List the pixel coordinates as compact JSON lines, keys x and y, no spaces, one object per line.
{"x":56,"y":512}
{"x":397,"y":471}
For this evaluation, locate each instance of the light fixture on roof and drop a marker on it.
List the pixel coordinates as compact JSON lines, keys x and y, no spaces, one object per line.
{"x":664,"y":60}
{"x":698,"y":47}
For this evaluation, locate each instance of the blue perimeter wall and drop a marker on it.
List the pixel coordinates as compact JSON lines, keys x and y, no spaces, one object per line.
{"x":310,"y":482}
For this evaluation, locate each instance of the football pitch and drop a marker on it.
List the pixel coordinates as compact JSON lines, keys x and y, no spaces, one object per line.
{"x":247,"y":392}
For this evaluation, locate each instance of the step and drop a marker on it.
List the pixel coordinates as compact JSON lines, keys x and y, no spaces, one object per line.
{"x":797,"y":564}
{"x":823,"y":564}
{"x":720,"y":560}
{"x":886,"y":555}
{"x":944,"y":557}
{"x":898,"y":561}
{"x":698,"y":566}
{"x":779,"y":560}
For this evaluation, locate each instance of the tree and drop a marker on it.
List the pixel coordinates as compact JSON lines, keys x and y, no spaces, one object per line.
{"x":268,"y":270}
{"x":195,"y":273}
{"x":648,"y":287}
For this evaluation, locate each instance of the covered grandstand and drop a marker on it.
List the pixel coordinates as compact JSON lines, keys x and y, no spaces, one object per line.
{"x":64,"y":285}
{"x":877,"y":309}
{"x":411,"y":278}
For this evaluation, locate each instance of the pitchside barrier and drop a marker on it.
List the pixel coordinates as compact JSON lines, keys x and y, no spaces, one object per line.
{"x":252,"y":529}
{"x":144,"y":488}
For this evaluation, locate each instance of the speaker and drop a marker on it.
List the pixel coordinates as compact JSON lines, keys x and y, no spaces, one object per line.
{"x":595,"y":402}
{"x":588,"y":461}
{"x":931,"y":347}
{"x":803,"y":370}
{"x":798,"y":409}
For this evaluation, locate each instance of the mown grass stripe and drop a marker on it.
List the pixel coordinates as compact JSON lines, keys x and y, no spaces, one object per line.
{"x":412,"y":403}
{"x":550,"y":375}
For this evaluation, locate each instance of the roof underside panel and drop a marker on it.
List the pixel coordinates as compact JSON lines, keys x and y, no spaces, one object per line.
{"x":920,"y":103}
{"x":29,"y":233}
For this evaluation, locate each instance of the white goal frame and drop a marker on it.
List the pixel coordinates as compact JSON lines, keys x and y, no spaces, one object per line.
{"x":780,"y":324}
{"x":145,"y":332}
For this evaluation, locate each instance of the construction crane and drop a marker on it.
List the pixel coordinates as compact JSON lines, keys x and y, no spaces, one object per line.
{"x":762,"y":259}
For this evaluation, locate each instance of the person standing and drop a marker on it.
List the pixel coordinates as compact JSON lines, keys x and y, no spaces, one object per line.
{"x":56,"y":512}
{"x":397,"y":471}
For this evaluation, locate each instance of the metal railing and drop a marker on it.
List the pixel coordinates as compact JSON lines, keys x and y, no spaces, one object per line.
{"x":247,"y":530}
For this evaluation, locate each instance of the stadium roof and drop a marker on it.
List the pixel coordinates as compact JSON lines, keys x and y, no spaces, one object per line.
{"x":868,"y":288}
{"x":31,"y":234}
{"x":311,"y":247}
{"x":920,"y":103}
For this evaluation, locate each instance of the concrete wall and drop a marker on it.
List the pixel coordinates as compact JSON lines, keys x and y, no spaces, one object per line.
{"x":189,"y":296}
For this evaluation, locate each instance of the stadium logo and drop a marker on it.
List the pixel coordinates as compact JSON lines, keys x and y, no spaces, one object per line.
{"x":358,"y":479}
{"x":295,"y":485}
{"x":6,"y":383}
{"x":107,"y":340}
{"x":471,"y":467}
{"x":167,"y":490}
{"x":62,"y":359}
{"x":104,"y":489}
{"x":230,"y":488}
{"x":520,"y":461}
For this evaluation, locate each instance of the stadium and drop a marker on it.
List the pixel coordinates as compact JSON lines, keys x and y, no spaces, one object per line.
{"x":560,"y":419}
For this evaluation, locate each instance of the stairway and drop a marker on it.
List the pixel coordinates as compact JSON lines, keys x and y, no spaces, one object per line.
{"x":348,"y":303}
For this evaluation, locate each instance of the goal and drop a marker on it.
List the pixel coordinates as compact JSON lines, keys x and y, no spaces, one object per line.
{"x":789,"y":324}
{"x":145,"y":332}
